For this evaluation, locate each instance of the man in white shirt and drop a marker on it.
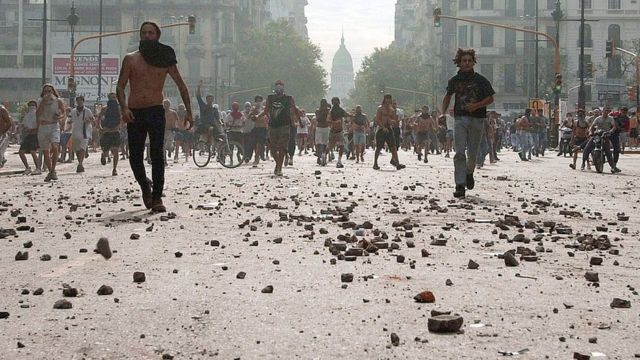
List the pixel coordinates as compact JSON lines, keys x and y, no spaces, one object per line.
{"x":81,"y":129}
{"x":303,"y":133}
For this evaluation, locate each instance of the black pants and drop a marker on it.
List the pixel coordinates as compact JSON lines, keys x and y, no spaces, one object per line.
{"x":147,"y":121}
{"x":249,"y":144}
{"x":396,"y":136}
{"x":615,"y":143}
{"x":291,"y":148}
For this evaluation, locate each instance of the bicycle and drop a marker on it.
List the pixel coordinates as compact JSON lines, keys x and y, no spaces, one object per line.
{"x":228,"y":153}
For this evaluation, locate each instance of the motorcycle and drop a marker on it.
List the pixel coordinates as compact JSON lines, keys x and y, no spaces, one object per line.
{"x":600,"y":140}
{"x":565,"y":141}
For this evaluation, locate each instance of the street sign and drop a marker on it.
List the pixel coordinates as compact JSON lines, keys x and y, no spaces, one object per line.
{"x":536,"y":104}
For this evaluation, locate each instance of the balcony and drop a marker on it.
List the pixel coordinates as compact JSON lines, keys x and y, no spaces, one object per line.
{"x":194,"y":39}
{"x":587,"y":43}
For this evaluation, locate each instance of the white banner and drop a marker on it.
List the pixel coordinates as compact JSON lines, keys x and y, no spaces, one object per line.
{"x":86,"y":74}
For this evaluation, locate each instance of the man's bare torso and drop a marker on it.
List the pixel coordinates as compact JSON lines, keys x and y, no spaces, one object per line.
{"x":171,"y":119}
{"x":146,"y":82}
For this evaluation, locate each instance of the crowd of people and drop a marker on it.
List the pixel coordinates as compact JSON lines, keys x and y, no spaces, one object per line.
{"x":52,"y":132}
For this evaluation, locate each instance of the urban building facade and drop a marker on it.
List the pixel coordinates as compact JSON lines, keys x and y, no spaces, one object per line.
{"x":508,"y":58}
{"x":605,"y":78}
{"x":209,"y":54}
{"x":342,"y":75}
{"x":292,"y":11}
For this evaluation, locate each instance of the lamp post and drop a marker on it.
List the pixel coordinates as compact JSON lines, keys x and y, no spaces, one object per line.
{"x":73,"y":19}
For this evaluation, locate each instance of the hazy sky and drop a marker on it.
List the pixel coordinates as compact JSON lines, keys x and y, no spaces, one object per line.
{"x":367,"y":24}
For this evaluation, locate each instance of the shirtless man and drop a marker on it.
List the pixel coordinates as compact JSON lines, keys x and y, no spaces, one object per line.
{"x":6,"y":124}
{"x":171,"y":120}
{"x":109,"y":125}
{"x":146,"y":70}
{"x":336,"y":119}
{"x":360,"y":127}
{"x":385,"y":119}
{"x":580,"y":136}
{"x":424,"y":125}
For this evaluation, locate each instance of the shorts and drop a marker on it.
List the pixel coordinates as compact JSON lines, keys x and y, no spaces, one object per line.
{"x":260,"y":134}
{"x":581,"y":142}
{"x":383,"y":137}
{"x":183,"y":136}
{"x":29,"y":143}
{"x":279,"y":137}
{"x":48,"y":135}
{"x":322,"y":136}
{"x":79,"y":143}
{"x":422,"y":137}
{"x":359,"y":138}
{"x":396,"y":135}
{"x":449,"y":135}
{"x":110,"y":140}
{"x":624,"y":138}
{"x":336,"y":138}
{"x":633,"y":133}
{"x":302,"y":136}
{"x":168,"y":140}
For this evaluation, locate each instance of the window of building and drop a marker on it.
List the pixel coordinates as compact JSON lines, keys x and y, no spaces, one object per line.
{"x":462,"y":36}
{"x":486,"y":36}
{"x":509,"y":42}
{"x":551,"y":30}
{"x":529,"y":43}
{"x":510,"y":78}
{"x":486,"y":70}
{"x":486,"y":5}
{"x":463,"y":4}
{"x":510,"y":8}
{"x":588,"y":41}
{"x":8,"y":61}
{"x":587,"y":4}
{"x":613,"y":5}
{"x":530,"y":7}
{"x":32,"y":61}
{"x":614,"y":34}
{"x":551,"y":4}
{"x":528,"y":79}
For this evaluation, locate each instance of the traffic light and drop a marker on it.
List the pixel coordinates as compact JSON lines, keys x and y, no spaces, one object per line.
{"x":557,"y":88}
{"x":192,"y":24}
{"x":437,"y":12}
{"x":610,"y":49}
{"x":631,"y":93}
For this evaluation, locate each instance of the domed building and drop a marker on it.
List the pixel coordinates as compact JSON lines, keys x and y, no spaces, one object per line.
{"x":342,"y":76}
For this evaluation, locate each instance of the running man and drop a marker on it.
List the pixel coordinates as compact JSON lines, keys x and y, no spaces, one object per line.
{"x":360,"y":126}
{"x":50,"y":114}
{"x":171,"y":121}
{"x":336,"y":138}
{"x":81,"y":131}
{"x":146,"y":70}
{"x":109,"y":125}
{"x":29,"y":144}
{"x":473,"y":92}
{"x":6,"y":124}
{"x":281,"y":109}
{"x":385,"y":118}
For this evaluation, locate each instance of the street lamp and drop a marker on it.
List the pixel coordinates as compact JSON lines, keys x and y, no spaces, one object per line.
{"x":73,"y":19}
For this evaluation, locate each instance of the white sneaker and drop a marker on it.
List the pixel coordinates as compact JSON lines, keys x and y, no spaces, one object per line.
{"x":37,"y":172}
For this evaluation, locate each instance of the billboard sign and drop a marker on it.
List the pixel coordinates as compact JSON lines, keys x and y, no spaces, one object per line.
{"x":86,"y":74}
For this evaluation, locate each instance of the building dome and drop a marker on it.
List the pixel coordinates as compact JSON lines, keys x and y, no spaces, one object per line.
{"x":342,"y":60}
{"x":342,"y":77}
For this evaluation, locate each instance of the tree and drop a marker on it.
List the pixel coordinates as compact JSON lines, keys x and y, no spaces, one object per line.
{"x":278,"y":52}
{"x":391,"y":67}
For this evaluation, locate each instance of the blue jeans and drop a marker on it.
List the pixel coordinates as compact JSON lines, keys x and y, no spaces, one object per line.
{"x":467,"y":134}
{"x":484,"y":148}
{"x":523,"y":142}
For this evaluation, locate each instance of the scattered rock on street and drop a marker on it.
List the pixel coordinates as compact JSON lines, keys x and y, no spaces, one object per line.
{"x":445,"y":323}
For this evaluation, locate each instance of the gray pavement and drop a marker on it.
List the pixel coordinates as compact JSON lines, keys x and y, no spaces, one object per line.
{"x":193,"y":306}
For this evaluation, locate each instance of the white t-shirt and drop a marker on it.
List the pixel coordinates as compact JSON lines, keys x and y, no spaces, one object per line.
{"x":303,"y":128}
{"x":29,"y":121}
{"x":450,"y":121}
{"x":77,"y":120}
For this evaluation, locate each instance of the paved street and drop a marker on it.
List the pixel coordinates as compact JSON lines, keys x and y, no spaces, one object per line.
{"x":281,"y":232}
